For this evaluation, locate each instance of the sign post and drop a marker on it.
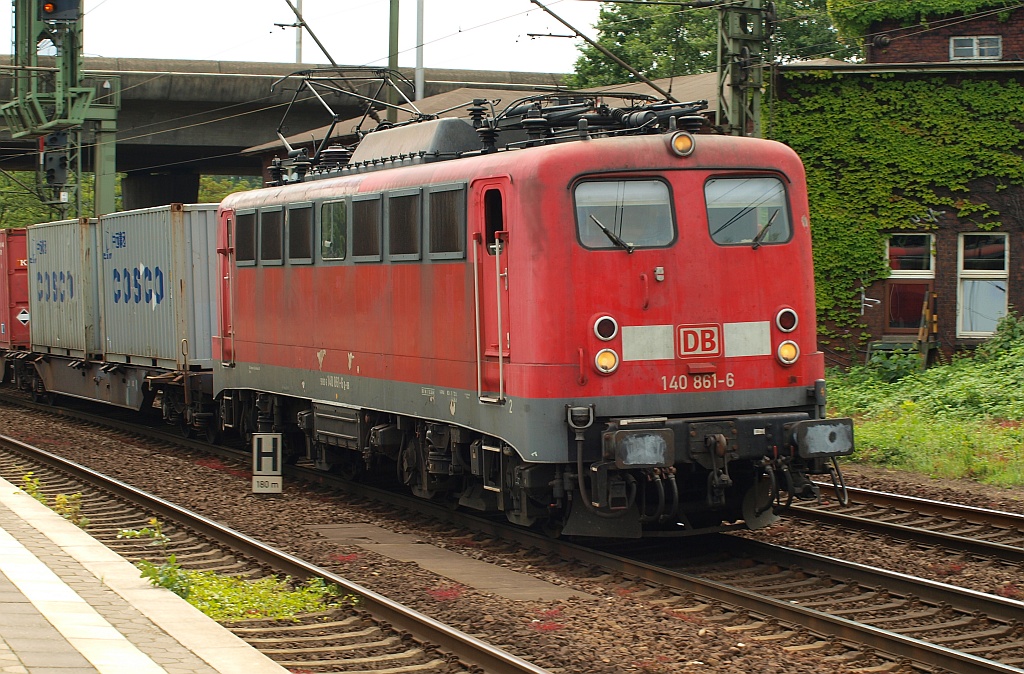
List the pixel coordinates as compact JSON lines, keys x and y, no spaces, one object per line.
{"x":266,"y":463}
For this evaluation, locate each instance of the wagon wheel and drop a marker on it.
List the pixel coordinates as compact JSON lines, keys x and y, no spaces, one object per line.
{"x":212,"y":432}
{"x":41,"y":395}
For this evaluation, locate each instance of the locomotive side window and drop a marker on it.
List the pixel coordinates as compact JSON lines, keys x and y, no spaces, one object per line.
{"x":747,"y":211}
{"x":404,"y":230}
{"x":333,"y":230}
{"x":494,"y":217}
{"x":245,"y":239}
{"x":271,"y":236}
{"x":300,"y":235}
{"x":446,"y":219}
{"x":624,"y":214}
{"x":366,"y":220}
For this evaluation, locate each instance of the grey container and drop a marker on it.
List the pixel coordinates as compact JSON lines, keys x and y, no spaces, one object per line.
{"x":159,"y":285}
{"x":63,"y":299}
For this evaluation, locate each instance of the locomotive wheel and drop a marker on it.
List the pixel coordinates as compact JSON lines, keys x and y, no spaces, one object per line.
{"x":412,"y":468}
{"x":247,"y":425}
{"x":552,"y":526}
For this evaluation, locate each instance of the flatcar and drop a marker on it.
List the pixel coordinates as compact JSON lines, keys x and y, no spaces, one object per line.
{"x":591,"y":319}
{"x":609,"y":332}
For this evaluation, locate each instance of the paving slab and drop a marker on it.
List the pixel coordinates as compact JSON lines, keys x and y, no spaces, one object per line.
{"x":459,"y":568}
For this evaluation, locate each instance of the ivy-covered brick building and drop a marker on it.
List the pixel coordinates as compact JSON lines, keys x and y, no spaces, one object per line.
{"x":915,"y":163}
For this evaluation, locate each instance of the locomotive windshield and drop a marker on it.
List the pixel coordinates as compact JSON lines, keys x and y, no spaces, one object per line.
{"x":747,"y":210}
{"x":624,"y":214}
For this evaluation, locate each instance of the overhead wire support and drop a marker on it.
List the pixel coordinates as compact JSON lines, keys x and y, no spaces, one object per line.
{"x":636,"y":73}
{"x":305,"y":26}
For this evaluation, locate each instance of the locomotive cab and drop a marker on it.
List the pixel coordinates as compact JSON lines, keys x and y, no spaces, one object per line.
{"x":695,"y":394}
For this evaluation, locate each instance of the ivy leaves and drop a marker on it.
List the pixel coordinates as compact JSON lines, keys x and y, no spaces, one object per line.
{"x":882,"y":152}
{"x":853,"y":18}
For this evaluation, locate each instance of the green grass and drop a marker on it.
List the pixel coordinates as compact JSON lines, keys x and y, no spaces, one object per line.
{"x":958,"y":420}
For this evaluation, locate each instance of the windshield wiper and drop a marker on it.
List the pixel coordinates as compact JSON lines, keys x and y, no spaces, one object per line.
{"x":628,"y":247}
{"x":760,"y":235}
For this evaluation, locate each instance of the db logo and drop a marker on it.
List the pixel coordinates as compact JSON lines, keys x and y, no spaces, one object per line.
{"x":699,"y":340}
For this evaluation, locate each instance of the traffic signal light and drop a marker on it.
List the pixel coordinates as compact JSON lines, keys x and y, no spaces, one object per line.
{"x":60,"y":10}
{"x":55,"y":167}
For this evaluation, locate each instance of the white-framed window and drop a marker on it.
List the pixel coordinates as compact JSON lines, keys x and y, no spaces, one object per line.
{"x":911,"y":259}
{"x":982,"y":280}
{"x":976,"y":48}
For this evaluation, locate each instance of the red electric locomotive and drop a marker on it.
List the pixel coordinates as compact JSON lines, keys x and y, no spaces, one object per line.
{"x":575,"y":314}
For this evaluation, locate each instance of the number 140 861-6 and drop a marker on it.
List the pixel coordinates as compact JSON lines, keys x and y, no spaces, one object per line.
{"x":697,"y":382}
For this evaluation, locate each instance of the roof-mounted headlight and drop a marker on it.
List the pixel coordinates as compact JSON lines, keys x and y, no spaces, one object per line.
{"x":681,"y":143}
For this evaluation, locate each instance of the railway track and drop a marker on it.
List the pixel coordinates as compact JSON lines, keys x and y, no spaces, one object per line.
{"x":381,"y":635}
{"x":975,"y":531}
{"x":844,"y":611}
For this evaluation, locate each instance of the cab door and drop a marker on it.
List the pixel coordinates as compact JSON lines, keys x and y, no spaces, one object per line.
{"x":490,"y":256}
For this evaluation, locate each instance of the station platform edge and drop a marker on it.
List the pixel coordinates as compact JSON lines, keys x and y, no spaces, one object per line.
{"x":70,"y":605}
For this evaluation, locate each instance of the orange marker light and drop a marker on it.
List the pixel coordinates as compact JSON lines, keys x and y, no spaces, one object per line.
{"x":681,"y":143}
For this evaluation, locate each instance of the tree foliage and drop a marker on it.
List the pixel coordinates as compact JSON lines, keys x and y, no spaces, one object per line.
{"x":19,"y":204}
{"x":213,"y":189}
{"x":666,"y":40}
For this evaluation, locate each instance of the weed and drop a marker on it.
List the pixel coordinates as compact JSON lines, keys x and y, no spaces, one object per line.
{"x":227,"y":598}
{"x":154,"y":531}
{"x":169,"y":575}
{"x":70,"y":508}
{"x":32,"y":487}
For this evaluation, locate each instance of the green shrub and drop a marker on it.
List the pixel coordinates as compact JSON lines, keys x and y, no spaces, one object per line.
{"x":890,"y":366}
{"x":962,"y":419}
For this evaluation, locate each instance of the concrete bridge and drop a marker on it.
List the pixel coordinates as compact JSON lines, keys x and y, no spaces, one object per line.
{"x":179,"y":119}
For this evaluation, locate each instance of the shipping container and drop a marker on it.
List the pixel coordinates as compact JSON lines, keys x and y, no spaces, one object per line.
{"x":157,"y":285}
{"x":14,"y":313}
{"x":62,"y":287}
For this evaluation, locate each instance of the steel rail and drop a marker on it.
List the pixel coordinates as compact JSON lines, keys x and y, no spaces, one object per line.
{"x":925,"y":506}
{"x":470,"y":650}
{"x":881,"y":640}
{"x":974,"y":546}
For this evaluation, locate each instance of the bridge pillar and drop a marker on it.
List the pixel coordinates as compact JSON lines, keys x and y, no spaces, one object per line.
{"x":142,"y":189}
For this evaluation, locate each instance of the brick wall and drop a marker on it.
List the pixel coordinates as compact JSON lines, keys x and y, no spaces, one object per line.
{"x":930,"y":42}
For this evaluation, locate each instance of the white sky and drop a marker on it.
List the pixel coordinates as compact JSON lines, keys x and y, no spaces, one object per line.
{"x":472,"y":34}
